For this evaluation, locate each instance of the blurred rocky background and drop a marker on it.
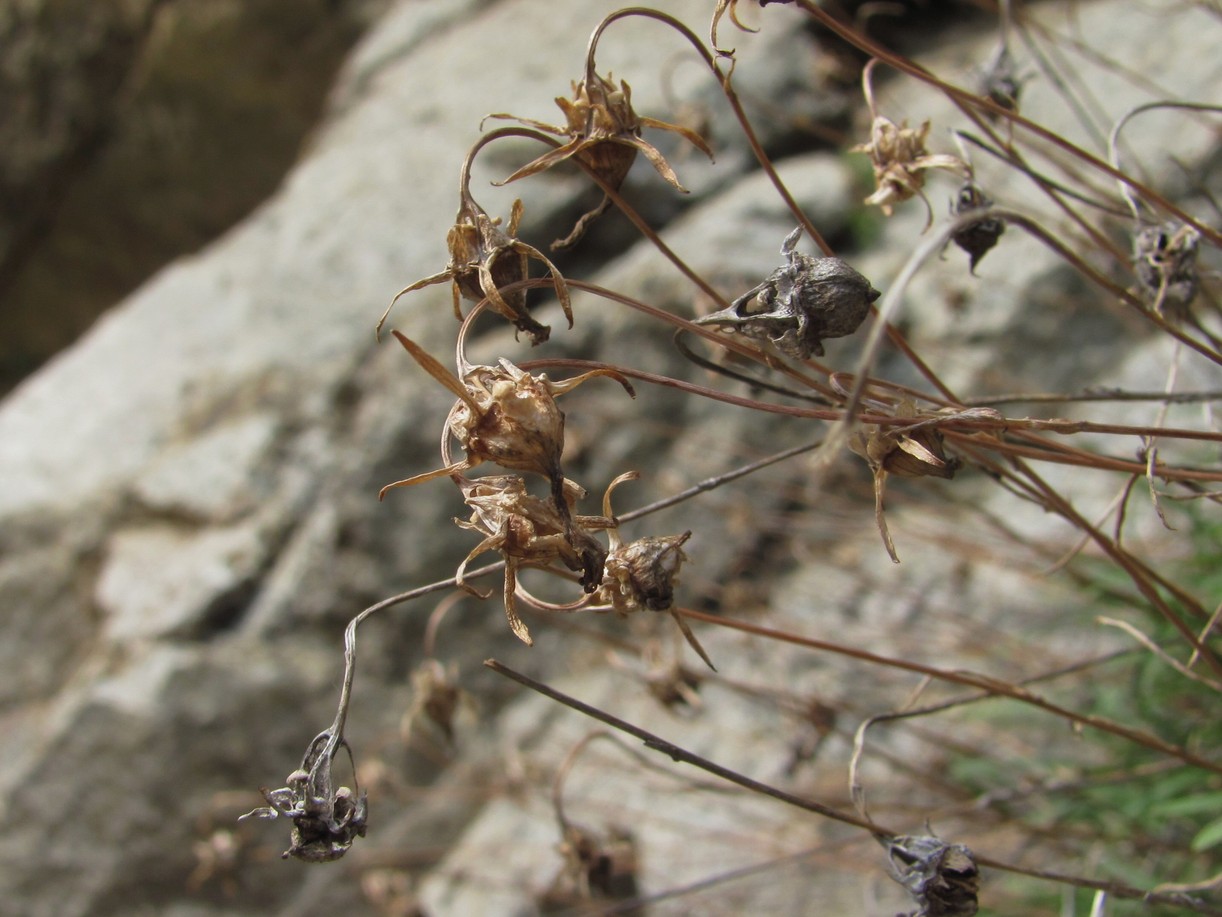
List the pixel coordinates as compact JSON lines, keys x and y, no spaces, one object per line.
{"x":188,"y":493}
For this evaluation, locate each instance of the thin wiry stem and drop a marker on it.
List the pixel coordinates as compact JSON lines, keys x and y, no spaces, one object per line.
{"x":682,"y":755}
{"x":968,"y":679}
{"x":976,"y":103}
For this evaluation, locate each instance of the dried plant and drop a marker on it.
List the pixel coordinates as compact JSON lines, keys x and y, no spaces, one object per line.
{"x":978,"y":237}
{"x":894,"y":411}
{"x":503,"y":415}
{"x":1166,"y":260}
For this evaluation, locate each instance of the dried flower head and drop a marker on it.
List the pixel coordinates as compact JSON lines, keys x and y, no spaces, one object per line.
{"x":979,"y":236}
{"x":529,"y":531}
{"x":504,"y":415}
{"x":800,"y":304}
{"x":604,"y":133}
{"x":675,"y":686}
{"x":642,"y":575}
{"x":942,"y":877}
{"x":900,"y":161}
{"x":325,"y":821}
{"x":1165,"y":256}
{"x":485,"y":258}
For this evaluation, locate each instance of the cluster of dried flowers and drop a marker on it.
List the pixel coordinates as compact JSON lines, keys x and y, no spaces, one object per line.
{"x":508,"y":417}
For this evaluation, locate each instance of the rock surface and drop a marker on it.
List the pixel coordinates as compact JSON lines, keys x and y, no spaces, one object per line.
{"x":189,"y":513}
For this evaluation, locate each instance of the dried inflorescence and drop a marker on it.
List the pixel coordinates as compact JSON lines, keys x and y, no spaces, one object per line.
{"x":979,"y":236}
{"x":942,"y":877}
{"x":799,"y":305}
{"x":484,"y":259}
{"x":529,"y":531}
{"x":900,"y":161}
{"x":604,"y":133}
{"x":504,"y":415}
{"x":325,"y":820}
{"x":1165,"y":256}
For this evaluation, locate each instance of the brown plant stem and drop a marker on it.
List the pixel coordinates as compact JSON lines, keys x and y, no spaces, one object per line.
{"x":677,"y":753}
{"x":969,"y":679}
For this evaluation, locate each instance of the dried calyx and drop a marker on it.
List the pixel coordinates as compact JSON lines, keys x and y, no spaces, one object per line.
{"x":596,"y":866}
{"x":605,"y":134}
{"x":943,"y":878}
{"x":979,"y":236}
{"x":1165,"y":256}
{"x":325,"y":820}
{"x":436,"y":698}
{"x":799,"y":305}
{"x":485,"y":258}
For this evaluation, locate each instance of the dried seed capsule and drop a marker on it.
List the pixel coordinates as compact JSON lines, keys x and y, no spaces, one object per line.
{"x":801,"y":303}
{"x":978,"y":237}
{"x":942,"y":877}
{"x":1165,"y":256}
{"x":643,"y":574}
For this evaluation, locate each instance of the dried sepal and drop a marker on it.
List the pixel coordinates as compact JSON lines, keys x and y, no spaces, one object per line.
{"x":723,"y":7}
{"x":900,"y":161}
{"x":943,"y":878}
{"x":979,"y":236}
{"x":485,"y":258}
{"x":326,"y":821}
{"x":504,"y":415}
{"x":528,"y":531}
{"x":604,"y":132}
{"x":1165,"y":257}
{"x":799,"y":305}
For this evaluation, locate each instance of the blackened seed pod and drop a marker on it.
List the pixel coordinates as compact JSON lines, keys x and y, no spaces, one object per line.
{"x":978,"y":237}
{"x":801,"y":303}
